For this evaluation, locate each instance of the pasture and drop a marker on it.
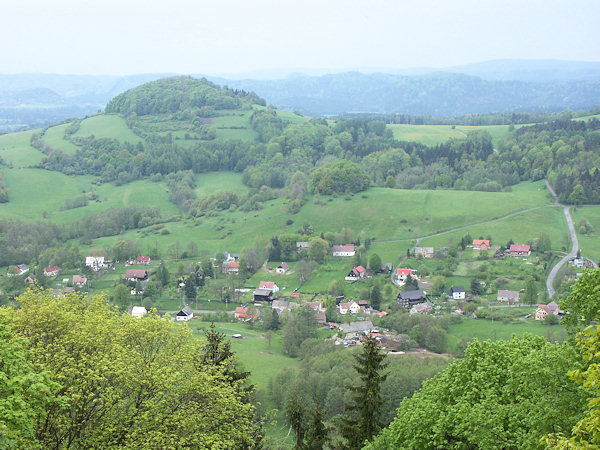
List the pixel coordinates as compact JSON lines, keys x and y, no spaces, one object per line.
{"x":109,"y":126}
{"x":15,"y":149}
{"x":589,"y":243}
{"x":436,"y":134}
{"x":55,"y":138}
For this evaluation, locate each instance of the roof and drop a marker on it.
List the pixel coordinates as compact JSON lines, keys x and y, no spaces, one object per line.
{"x":263,"y":292}
{"x":240,"y":310}
{"x":545,"y":308}
{"x":284,"y":266}
{"x":135,"y":273}
{"x":234,"y":264}
{"x":79,"y":279}
{"x":343,"y":248}
{"x":267,"y":285}
{"x":404,"y":271}
{"x":520,"y":248}
{"x":347,"y":304}
{"x":138,"y":310}
{"x":457,"y":289}
{"x":412,"y":295}
{"x":481,"y":241}
{"x":143,"y":258}
{"x":363,"y":302}
{"x":553,"y":306}
{"x":51,"y":269}
{"x":382,"y":314}
{"x":313,"y":305}
{"x":280,"y":304}
{"x":357,"y":327}
{"x":422,"y":306}
{"x":386,"y":266}
{"x":187,"y":311}
{"x":510,"y":294}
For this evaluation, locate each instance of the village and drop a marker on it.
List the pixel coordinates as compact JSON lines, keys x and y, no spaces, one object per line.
{"x":415,"y":280}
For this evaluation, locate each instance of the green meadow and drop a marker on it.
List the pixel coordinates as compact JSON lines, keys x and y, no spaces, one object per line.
{"x":589,"y":243}
{"x":437,"y":134}
{"x":55,"y":138}
{"x":107,"y":126}
{"x":15,"y":149}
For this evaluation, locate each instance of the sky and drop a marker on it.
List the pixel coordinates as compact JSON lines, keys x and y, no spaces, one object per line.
{"x":225,"y":37}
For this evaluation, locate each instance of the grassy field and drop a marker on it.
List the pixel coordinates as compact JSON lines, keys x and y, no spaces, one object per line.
{"x":589,"y":244}
{"x":15,"y":149}
{"x":486,"y":329}
{"x":54,"y":137}
{"x":436,"y":134}
{"x":107,"y":126}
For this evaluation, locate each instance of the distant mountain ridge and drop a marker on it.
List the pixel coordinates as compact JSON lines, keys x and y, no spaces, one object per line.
{"x":28,"y":100}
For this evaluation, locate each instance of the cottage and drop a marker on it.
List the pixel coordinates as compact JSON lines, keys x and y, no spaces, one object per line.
{"x":138,"y":311}
{"x":387,"y":267}
{"x":316,"y":306}
{"x":519,"y":250}
{"x":402,"y":274}
{"x":511,"y":297}
{"x":185,"y":314}
{"x":364,"y":304}
{"x":424,"y":252}
{"x":421,"y":308}
{"x":240,"y":312}
{"x":410,"y":298}
{"x":499,"y":254}
{"x":543,"y":310}
{"x":351,"y":307}
{"x":245,"y":314}
{"x":79,"y":280}
{"x":230,"y":267}
{"x":263,"y":295}
{"x":282,"y":268}
{"x":270,"y":285}
{"x":456,"y":293}
{"x":357,"y":327}
{"x":51,"y":271}
{"x":280,"y":306}
{"x":481,"y":244}
{"x":95,"y":262}
{"x":356,"y":274}
{"x":19,"y":270}
{"x":145,"y":260}
{"x":344,"y":250}
{"x":136,"y":275}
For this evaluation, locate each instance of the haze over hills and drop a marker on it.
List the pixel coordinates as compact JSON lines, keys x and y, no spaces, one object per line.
{"x":33,"y":100}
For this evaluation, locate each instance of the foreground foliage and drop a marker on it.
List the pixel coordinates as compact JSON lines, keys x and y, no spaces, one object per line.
{"x":126,"y":382}
{"x":504,"y":394}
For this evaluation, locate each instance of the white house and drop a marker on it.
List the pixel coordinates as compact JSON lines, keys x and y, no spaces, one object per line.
{"x":456,"y":292}
{"x":344,"y":250}
{"x":138,"y":311}
{"x":351,"y":307}
{"x":95,"y":262}
{"x":356,"y":274}
{"x":185,"y":314}
{"x":282,"y":268}
{"x":403,"y":274}
{"x":269,"y":285}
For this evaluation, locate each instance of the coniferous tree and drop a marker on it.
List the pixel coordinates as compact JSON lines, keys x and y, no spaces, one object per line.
{"x":294,"y":414}
{"x":375,"y":297}
{"x":316,"y":433}
{"x":363,"y":420}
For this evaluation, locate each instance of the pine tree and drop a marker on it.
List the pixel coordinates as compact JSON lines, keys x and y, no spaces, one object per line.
{"x":375,"y":297}
{"x":363,"y":414}
{"x":316,"y":434}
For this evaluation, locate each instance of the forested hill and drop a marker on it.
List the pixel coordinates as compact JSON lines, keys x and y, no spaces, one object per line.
{"x":195,"y":97}
{"x":436,"y":94}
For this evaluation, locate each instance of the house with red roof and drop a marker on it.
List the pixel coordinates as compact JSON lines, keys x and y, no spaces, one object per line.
{"x":519,"y":250}
{"x":230,"y":267}
{"x":51,"y":271}
{"x":143,"y":260}
{"x":356,"y":274}
{"x":282,"y":268}
{"x":78,"y":280}
{"x":403,"y":274}
{"x":481,"y":244}
{"x":269,"y":285}
{"x":344,"y":250}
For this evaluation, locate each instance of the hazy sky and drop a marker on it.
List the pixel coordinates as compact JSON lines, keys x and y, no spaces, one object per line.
{"x":238,"y":36}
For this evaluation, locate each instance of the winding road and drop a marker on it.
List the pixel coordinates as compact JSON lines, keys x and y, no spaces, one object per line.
{"x":574,"y":250}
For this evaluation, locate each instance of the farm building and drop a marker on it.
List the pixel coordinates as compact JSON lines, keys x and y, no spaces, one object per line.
{"x":343,"y":250}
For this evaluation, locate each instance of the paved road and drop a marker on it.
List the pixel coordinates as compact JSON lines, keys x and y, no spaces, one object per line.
{"x":572,"y":253}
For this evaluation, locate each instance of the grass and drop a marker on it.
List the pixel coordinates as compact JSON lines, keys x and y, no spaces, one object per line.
{"x":15,"y":149}
{"x":107,"y":126}
{"x":589,"y":243}
{"x":436,"y":134}
{"x":54,"y":137}
{"x":486,"y":329}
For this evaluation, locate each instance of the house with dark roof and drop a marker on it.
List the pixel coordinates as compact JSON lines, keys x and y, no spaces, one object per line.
{"x":357,"y":327}
{"x":185,"y":314}
{"x":410,"y":298}
{"x":386,"y":267}
{"x":356,"y":274}
{"x":456,"y":293}
{"x":136,"y":275}
{"x":282,"y":268}
{"x":263,"y":295}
